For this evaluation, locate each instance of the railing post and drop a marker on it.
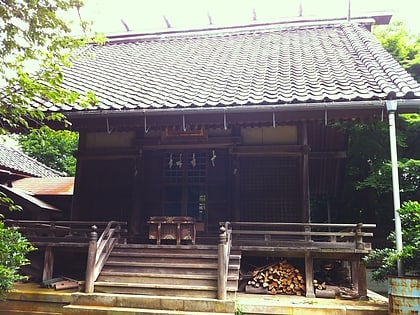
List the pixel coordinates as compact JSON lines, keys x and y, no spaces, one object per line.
{"x":90,"y":266}
{"x":307,"y":233}
{"x":359,"y":236}
{"x":222,"y":264}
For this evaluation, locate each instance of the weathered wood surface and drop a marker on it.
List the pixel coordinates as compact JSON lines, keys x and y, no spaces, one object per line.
{"x":167,"y":270}
{"x":172,"y":228}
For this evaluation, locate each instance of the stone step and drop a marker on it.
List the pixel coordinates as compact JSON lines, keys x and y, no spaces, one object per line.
{"x":188,"y":304}
{"x":27,"y":312}
{"x":103,"y":310}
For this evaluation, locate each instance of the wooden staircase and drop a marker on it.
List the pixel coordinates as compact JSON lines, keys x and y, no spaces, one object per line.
{"x":166,"y":270}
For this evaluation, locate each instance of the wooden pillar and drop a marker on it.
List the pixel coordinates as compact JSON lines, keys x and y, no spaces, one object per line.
{"x":47,"y":273}
{"x":359,"y":277}
{"x":90,"y":265}
{"x":355,"y":273}
{"x":135,"y":218}
{"x":235,"y":190}
{"x":362,"y":287}
{"x":309,"y":275}
{"x":306,"y":215}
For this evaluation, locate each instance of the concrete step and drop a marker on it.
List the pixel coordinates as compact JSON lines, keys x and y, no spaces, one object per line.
{"x":32,"y":299}
{"x":24,"y":312}
{"x":294,"y":305}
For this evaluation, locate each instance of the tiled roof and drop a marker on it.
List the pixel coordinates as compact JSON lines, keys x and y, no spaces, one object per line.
{"x":254,"y":66}
{"x":16,"y":161}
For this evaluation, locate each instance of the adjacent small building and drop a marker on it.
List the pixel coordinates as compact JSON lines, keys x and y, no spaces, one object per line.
{"x":16,"y":165}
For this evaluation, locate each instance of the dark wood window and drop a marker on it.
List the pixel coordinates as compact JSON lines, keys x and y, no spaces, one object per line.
{"x":269,"y":189}
{"x":185,"y":184}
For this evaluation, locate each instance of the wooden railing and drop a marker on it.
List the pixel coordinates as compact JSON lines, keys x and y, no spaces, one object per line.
{"x":99,"y":251}
{"x":295,"y":236}
{"x":60,"y":233}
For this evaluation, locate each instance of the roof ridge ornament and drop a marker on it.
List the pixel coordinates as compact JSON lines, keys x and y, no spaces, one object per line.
{"x":108,"y":128}
{"x":146,"y":129}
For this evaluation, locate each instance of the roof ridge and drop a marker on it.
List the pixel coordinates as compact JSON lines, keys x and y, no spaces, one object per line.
{"x":35,"y":161}
{"x":252,"y":28}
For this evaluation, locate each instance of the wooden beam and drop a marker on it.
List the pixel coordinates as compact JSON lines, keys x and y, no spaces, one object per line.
{"x":270,"y":150}
{"x":328,"y":155}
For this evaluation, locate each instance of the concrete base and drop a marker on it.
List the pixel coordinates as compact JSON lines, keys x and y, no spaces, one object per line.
{"x":294,"y":305}
{"x":31,"y":299}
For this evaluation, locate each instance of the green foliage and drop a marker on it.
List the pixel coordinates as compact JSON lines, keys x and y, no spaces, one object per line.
{"x":53,"y":148}
{"x":35,"y":45}
{"x":8,"y":203}
{"x":386,"y":259}
{"x":370,"y":148}
{"x":402,"y":45}
{"x":13,"y":250}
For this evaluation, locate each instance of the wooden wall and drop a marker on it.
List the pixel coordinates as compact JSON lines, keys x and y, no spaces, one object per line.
{"x":257,"y":174}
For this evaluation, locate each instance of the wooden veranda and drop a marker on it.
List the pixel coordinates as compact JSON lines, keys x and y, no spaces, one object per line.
{"x":305,"y":241}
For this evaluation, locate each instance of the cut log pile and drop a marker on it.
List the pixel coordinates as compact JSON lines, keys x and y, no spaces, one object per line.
{"x":279,"y":278}
{"x":319,"y":286}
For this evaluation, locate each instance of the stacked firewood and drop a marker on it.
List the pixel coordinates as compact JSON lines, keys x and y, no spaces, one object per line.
{"x":279,"y":278}
{"x":318,"y":285}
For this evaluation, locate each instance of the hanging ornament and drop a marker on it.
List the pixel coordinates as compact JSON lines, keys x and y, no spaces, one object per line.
{"x":193,"y":161}
{"x":179,"y":162}
{"x":213,"y":158}
{"x":171,"y":161}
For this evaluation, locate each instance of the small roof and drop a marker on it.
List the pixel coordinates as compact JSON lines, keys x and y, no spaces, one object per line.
{"x":27,"y":201}
{"x":238,"y":67}
{"x":46,"y":186}
{"x":15,"y":161}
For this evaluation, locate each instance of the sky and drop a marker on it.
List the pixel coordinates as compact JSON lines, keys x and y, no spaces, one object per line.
{"x":109,"y":16}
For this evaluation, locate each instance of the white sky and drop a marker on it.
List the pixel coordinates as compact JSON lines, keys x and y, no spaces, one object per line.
{"x":145,"y":16}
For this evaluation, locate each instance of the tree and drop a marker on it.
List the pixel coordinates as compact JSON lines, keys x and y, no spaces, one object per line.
{"x":35,"y":44}
{"x":52,"y":148}
{"x":402,"y":45}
